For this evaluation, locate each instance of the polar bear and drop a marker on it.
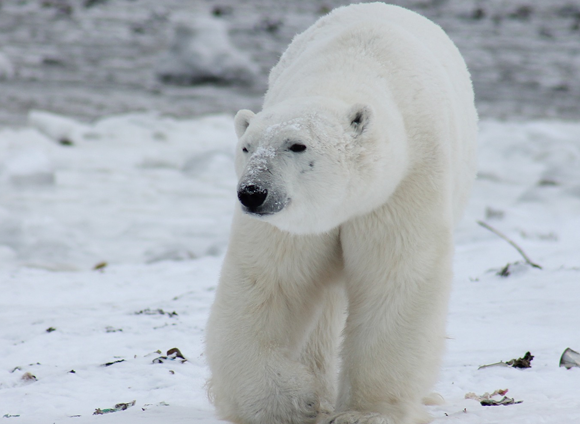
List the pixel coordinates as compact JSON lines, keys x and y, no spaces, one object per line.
{"x":351,"y":179}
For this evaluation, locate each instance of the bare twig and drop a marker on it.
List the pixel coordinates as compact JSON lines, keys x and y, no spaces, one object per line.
{"x":518,"y":248}
{"x":495,"y":364}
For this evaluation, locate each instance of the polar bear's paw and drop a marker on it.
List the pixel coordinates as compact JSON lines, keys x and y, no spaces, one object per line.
{"x":303,"y":410}
{"x":433,"y":398}
{"x":417,"y":416}
{"x":355,"y":417}
{"x":287,"y":409}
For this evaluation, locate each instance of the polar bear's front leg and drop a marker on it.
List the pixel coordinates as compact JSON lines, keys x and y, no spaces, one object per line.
{"x":320,"y":354}
{"x":267,"y":303}
{"x":256,"y":375}
{"x":398,"y":277}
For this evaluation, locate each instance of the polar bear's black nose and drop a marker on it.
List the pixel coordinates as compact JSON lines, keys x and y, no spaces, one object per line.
{"x":252,"y":196}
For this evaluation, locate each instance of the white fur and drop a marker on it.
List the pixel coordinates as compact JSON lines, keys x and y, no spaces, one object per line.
{"x":382,"y":100}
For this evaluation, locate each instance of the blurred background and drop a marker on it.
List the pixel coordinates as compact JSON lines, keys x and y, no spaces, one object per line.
{"x":93,"y":58}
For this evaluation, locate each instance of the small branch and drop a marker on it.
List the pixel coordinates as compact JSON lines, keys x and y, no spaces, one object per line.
{"x":496,"y":364}
{"x":518,"y":248}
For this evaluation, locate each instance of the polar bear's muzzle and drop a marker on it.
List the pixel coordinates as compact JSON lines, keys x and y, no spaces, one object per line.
{"x":259,"y":199}
{"x":252,"y":196}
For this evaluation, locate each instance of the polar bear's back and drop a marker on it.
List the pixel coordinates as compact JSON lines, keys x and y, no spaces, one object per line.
{"x":383,"y":15}
{"x":413,"y":52}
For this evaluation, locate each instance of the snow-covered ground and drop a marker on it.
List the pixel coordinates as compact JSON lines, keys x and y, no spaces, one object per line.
{"x":149,"y":199}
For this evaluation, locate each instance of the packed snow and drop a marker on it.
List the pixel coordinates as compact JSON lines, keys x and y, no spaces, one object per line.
{"x":112,"y":236}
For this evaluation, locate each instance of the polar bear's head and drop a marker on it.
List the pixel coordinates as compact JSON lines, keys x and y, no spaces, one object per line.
{"x":306,"y":167}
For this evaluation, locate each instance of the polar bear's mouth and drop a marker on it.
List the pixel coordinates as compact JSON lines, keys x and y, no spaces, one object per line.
{"x":257,"y":214}
{"x":268,"y":208}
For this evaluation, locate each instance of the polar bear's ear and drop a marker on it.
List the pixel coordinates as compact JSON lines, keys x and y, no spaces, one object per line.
{"x":242,"y":121}
{"x":359,"y":117}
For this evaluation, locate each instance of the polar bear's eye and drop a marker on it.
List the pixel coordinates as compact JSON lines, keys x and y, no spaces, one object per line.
{"x":245,"y":150}
{"x":297,"y":147}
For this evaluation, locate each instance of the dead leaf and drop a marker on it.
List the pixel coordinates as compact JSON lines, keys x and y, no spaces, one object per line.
{"x":486,"y":395}
{"x":28,"y":377}
{"x":100,"y":266}
{"x":124,"y":406}
{"x":175,"y":352}
{"x":524,"y":362}
{"x":113,"y":362}
{"x":158,"y":311}
{"x":172,"y":354}
{"x":118,"y":407}
{"x":486,"y":399}
{"x":504,"y":401}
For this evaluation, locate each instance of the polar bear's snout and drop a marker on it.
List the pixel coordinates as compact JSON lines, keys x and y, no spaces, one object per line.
{"x":252,"y":196}
{"x":260,"y":198}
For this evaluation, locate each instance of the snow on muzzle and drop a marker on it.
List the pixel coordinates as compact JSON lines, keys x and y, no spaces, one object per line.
{"x":259,"y":191}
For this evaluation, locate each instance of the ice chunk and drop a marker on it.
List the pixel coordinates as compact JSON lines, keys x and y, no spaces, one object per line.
{"x":61,"y":129}
{"x":202,"y":52}
{"x":29,"y":167}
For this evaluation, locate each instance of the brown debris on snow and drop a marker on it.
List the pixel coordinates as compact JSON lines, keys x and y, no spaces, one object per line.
{"x":157,"y":311}
{"x":523,"y":362}
{"x":172,"y":354}
{"x":108,"y":364}
{"x":100,"y":266}
{"x":28,"y":377}
{"x":486,"y":399}
{"x":118,"y":407}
